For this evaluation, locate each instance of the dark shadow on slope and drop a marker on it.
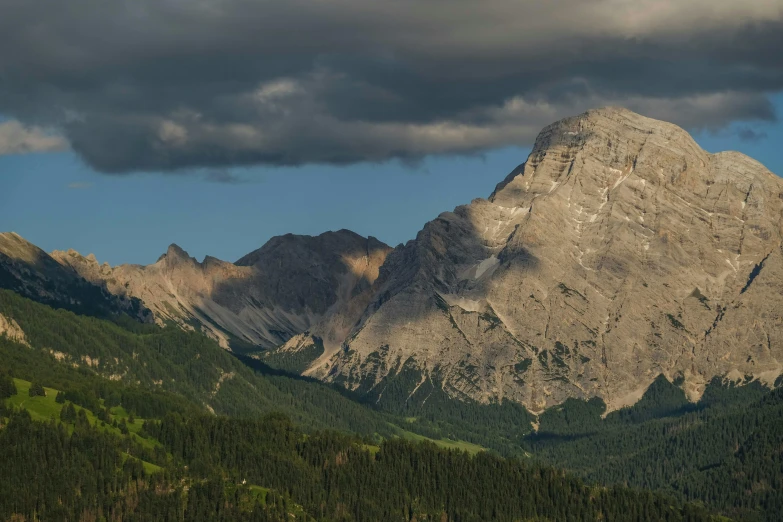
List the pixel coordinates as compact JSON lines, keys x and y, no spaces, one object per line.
{"x":753,"y":274}
{"x":48,"y":282}
{"x":268,"y":371}
{"x":297,"y":275}
{"x":662,"y":399}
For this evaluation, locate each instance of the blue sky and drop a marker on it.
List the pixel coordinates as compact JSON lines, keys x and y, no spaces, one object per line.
{"x":57,"y":202}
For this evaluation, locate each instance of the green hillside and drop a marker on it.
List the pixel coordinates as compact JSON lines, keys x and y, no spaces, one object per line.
{"x":67,"y":349}
{"x":75,"y":466}
{"x":167,"y":369}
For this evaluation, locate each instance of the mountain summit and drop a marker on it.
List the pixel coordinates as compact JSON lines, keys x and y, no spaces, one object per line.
{"x":618,"y":251}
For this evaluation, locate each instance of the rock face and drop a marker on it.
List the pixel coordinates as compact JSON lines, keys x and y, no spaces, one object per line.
{"x":31,"y":272}
{"x":10,"y":329}
{"x":620,"y":250}
{"x":265,"y":298}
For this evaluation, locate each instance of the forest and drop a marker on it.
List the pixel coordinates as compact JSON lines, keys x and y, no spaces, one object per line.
{"x":725,"y":450}
{"x":113,"y":420}
{"x":74,"y":466}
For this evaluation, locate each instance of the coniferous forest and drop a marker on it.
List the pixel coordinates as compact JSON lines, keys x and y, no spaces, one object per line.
{"x":112,"y":420}
{"x":216,"y":468}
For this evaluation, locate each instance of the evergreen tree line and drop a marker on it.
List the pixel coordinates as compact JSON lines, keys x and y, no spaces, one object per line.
{"x":222,"y":469}
{"x":726,"y":450}
{"x":335,"y":477}
{"x":54,"y":473}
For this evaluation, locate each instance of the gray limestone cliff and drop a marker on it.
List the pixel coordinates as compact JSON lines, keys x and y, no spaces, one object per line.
{"x":618,"y":251}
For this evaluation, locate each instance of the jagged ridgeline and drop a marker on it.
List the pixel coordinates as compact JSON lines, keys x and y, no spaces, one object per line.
{"x":618,"y":251}
{"x":31,"y":272}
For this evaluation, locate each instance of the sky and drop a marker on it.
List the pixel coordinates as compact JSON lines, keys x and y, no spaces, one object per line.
{"x":215,"y":124}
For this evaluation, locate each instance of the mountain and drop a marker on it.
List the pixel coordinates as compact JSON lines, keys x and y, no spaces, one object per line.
{"x":262,"y":300}
{"x":619,"y":251}
{"x":620,"y":264}
{"x":31,"y":272}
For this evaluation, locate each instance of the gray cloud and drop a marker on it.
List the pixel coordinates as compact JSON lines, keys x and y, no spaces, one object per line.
{"x":749,"y":134}
{"x":16,"y":138}
{"x":175,"y":84}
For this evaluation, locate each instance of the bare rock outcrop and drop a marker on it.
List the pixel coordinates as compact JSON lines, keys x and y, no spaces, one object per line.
{"x":11,"y":330}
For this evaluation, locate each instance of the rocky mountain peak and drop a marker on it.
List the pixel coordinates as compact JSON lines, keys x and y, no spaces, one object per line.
{"x":329,"y":244}
{"x":618,"y":251}
{"x":175,"y":254}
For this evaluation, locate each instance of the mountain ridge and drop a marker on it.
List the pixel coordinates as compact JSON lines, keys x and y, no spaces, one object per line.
{"x":617,"y":252}
{"x":265,"y":298}
{"x":31,"y":272}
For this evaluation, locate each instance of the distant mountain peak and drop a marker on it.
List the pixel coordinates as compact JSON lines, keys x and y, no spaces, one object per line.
{"x":270,"y":295}
{"x":53,"y":279}
{"x":175,"y":253}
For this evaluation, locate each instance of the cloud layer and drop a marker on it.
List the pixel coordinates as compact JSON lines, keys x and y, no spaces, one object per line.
{"x":171,"y":84}
{"x":15,"y":138}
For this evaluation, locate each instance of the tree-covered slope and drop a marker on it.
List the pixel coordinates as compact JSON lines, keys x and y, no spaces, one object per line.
{"x":726,"y":450}
{"x":199,"y":467}
{"x":169,"y":360}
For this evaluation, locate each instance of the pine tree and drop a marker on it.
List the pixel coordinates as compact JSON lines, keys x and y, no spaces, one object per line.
{"x":36,"y":390}
{"x":68,"y":413}
{"x":7,"y":386}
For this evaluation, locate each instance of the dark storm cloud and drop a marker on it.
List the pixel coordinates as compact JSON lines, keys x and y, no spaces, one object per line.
{"x":172,"y":84}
